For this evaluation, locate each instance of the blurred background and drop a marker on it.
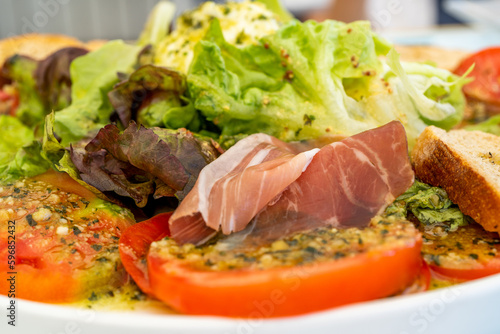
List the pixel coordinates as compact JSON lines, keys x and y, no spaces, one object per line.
{"x":462,"y":24}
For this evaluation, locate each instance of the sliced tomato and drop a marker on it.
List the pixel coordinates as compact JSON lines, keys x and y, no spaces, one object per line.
{"x":134,"y":246}
{"x":486,"y":74}
{"x":64,"y":182}
{"x":282,"y":290}
{"x":12,"y":100}
{"x":466,"y":254}
{"x":4,"y":96}
{"x":488,"y":269}
{"x":422,"y":282}
{"x":66,"y":245}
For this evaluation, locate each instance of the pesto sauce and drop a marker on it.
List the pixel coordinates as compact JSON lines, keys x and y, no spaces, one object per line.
{"x":127,"y":297}
{"x":314,"y":246}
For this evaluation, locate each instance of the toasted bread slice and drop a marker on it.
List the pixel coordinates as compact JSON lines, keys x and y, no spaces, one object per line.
{"x":40,"y":46}
{"x":443,"y":58}
{"x":467,"y":165}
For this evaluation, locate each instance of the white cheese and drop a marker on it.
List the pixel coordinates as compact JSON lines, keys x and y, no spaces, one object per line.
{"x":62,"y":230}
{"x":242,"y":24}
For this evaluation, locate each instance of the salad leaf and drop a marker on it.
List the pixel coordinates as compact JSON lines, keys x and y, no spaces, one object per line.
{"x":43,"y":85}
{"x":244,"y":23}
{"x":20,"y":153}
{"x":313,"y":79}
{"x":277,"y":8}
{"x":93,"y":77}
{"x":436,"y":93}
{"x":491,"y":125}
{"x":154,"y":97}
{"x":158,"y":24}
{"x":60,"y":158}
{"x":20,"y":70}
{"x":53,"y":78}
{"x":430,"y":205}
{"x":140,"y":162}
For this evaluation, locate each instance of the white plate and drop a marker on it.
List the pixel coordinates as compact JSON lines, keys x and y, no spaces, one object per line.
{"x":472,"y":307}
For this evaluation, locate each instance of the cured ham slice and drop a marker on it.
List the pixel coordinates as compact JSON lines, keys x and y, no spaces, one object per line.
{"x":236,"y":186}
{"x":264,"y":189}
{"x":346,"y":185}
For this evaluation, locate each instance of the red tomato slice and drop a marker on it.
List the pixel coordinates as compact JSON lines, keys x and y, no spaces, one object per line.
{"x":66,"y":246}
{"x":12,"y":98}
{"x":466,"y":254}
{"x":4,"y":96}
{"x":423,"y":281}
{"x":134,"y":246}
{"x":275,"y":292}
{"x":486,"y":73}
{"x":490,"y":268}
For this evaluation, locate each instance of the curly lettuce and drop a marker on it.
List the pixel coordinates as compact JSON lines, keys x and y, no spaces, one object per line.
{"x":430,"y":205}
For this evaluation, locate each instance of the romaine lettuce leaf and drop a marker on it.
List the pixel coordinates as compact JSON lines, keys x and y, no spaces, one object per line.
{"x":93,"y":75}
{"x":19,"y":151}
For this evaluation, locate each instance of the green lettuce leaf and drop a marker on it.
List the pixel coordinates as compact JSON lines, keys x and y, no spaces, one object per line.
{"x":491,"y":125}
{"x":20,"y":153}
{"x":154,"y":97}
{"x":21,"y":71}
{"x":93,"y":76}
{"x":43,"y":85}
{"x":436,"y":93}
{"x":60,"y":158}
{"x":277,"y":8}
{"x":158,"y":24}
{"x":430,"y":205}
{"x":314,"y":79}
{"x":53,"y":79}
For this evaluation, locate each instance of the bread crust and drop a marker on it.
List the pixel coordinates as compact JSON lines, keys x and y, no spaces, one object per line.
{"x":437,"y":163}
{"x":40,"y":46}
{"x":443,"y":58}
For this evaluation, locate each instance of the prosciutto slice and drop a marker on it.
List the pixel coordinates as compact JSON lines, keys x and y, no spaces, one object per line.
{"x":266,"y":189}
{"x":238,"y":185}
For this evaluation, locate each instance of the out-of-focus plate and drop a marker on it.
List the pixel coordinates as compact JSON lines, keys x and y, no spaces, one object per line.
{"x":471,"y":307}
{"x":465,"y":38}
{"x":483,"y":13}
